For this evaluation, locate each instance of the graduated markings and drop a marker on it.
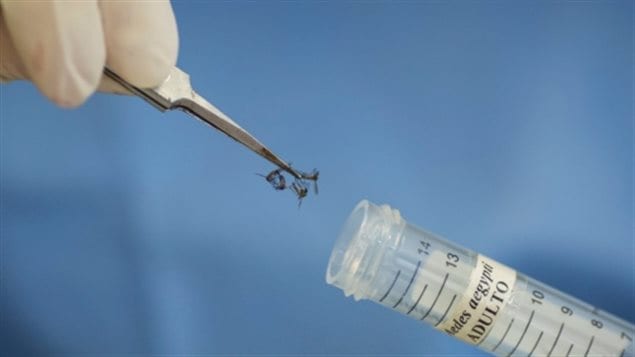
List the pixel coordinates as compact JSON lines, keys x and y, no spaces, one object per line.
{"x":556,"y":341}
{"x":391,"y":286}
{"x":504,"y":335}
{"x":446,"y":311}
{"x":553,"y":346}
{"x":535,"y":344}
{"x":418,"y":299}
{"x":523,"y":335}
{"x":589,"y":347}
{"x":437,"y":297}
{"x":407,"y":287}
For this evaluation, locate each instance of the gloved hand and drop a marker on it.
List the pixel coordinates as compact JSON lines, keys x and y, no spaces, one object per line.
{"x":63,"y":46}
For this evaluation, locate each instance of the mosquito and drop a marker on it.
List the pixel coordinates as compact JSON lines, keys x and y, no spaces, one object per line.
{"x":300,"y":189}
{"x":276,"y":179}
{"x":313,"y":176}
{"x":300,"y":186}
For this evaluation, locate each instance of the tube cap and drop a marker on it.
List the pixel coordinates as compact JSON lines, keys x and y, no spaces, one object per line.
{"x":360,"y":247}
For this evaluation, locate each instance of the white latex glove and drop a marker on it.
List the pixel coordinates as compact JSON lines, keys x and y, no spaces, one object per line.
{"x":63,"y":46}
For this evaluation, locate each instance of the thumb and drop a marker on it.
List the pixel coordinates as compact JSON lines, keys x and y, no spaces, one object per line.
{"x":60,"y":46}
{"x":11,"y":68}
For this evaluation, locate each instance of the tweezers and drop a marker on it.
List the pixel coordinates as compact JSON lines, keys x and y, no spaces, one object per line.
{"x":176,"y":93}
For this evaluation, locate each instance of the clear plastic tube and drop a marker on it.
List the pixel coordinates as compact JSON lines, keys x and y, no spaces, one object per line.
{"x":380,"y":257}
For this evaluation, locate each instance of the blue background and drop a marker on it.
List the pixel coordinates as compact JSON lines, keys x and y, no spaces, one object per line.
{"x":505,"y":127}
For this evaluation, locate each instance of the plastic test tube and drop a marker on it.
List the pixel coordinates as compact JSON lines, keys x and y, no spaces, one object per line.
{"x":380,"y":257}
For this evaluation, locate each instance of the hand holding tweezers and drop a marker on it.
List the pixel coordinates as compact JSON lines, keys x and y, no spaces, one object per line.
{"x":177,"y":93}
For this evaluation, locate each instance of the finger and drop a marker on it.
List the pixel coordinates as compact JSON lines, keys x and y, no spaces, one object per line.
{"x":110,"y":86}
{"x":141,"y":40}
{"x":11,"y":67}
{"x":61,"y":46}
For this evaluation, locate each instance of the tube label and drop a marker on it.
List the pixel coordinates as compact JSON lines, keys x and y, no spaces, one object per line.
{"x":489,"y":290}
